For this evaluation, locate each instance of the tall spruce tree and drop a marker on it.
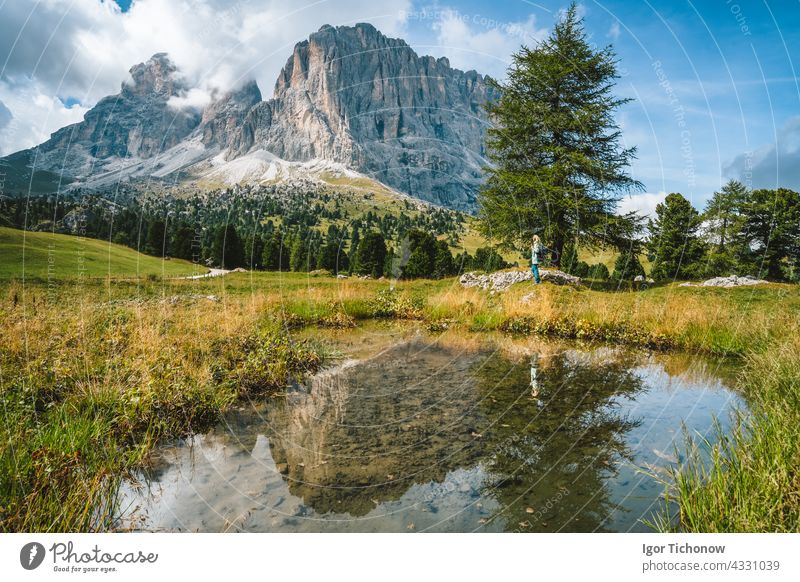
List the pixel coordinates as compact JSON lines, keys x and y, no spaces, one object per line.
{"x":227,"y":250}
{"x":627,"y":266}
{"x":156,"y":238}
{"x":184,"y":245}
{"x":443,"y":265}
{"x":422,"y":260}
{"x":723,"y":214}
{"x":723,"y":223}
{"x":370,"y":255}
{"x":558,"y":166}
{"x":771,"y":233}
{"x":675,"y":241}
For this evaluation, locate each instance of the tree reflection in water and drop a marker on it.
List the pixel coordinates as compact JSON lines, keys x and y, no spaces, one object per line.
{"x":363,"y":435}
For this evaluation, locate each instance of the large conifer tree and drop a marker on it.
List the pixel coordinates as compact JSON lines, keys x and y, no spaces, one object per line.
{"x":675,"y":241}
{"x":558,"y":166}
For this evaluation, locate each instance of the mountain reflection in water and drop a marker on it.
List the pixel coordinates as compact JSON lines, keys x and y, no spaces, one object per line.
{"x":443,"y":436}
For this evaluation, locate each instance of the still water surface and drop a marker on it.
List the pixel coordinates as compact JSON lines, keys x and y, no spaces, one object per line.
{"x":419,"y":433}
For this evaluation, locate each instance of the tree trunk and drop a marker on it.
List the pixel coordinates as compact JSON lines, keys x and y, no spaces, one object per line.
{"x":558,"y":249}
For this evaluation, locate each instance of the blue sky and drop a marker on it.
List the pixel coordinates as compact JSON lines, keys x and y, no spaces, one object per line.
{"x":714,"y":82}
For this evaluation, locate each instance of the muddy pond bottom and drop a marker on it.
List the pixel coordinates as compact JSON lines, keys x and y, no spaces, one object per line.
{"x":420,"y":433}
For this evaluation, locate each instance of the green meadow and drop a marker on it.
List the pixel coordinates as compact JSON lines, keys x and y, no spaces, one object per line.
{"x":43,"y":255}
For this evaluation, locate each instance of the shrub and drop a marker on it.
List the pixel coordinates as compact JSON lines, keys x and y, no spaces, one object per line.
{"x":392,"y":303}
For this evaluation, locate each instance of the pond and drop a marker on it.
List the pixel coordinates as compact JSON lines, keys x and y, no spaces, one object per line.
{"x":453,"y":432}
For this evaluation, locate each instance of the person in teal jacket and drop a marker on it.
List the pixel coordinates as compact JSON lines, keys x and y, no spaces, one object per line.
{"x":537,"y":250}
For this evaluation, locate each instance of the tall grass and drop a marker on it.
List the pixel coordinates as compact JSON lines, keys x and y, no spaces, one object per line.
{"x":751,"y":483}
{"x":85,"y":394}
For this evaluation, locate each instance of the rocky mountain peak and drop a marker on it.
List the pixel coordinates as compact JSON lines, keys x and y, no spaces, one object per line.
{"x":355,"y":96}
{"x":157,"y":76}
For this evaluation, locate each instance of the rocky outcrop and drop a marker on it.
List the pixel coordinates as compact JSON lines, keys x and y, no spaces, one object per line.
{"x":504,"y":279}
{"x":222,"y":121}
{"x":731,"y":281}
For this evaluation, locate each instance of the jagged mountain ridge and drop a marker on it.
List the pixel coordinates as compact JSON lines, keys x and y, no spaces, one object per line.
{"x":348,"y":98}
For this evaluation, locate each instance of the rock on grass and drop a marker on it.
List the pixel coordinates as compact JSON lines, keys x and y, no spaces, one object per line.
{"x":502,"y":280}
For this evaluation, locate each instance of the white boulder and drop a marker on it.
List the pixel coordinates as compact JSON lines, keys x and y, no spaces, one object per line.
{"x":731,"y":281}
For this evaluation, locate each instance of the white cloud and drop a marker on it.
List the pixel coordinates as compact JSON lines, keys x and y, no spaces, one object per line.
{"x":5,"y":115}
{"x":614,"y":31}
{"x":773,"y":165}
{"x":195,"y":98}
{"x":644,"y":203}
{"x":82,"y":49}
{"x":476,"y":42}
{"x":35,"y":116}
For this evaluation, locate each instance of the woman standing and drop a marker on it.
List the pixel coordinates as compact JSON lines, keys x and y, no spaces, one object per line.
{"x":537,"y":248}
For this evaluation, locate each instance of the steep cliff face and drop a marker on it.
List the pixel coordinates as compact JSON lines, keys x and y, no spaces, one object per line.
{"x":222,"y":119}
{"x":347,"y":95}
{"x":354,"y":96}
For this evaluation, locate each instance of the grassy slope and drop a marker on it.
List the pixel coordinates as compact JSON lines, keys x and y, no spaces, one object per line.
{"x":67,"y":255}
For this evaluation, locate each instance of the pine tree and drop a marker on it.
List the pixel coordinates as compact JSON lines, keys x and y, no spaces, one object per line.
{"x":370,"y":256}
{"x":559,"y":169}
{"x":675,"y":241}
{"x":488,"y":259}
{"x":627,"y":266}
{"x":598,"y":272}
{"x":569,"y":261}
{"x":183,"y":243}
{"x":254,"y":251}
{"x":723,"y":214}
{"x":298,"y":255}
{"x":464,"y":262}
{"x":724,"y":220}
{"x":226,"y":249}
{"x":276,"y":253}
{"x":156,"y":238}
{"x":443,"y":265}
{"x":332,"y":257}
{"x":771,"y":232}
{"x":422,"y":259}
